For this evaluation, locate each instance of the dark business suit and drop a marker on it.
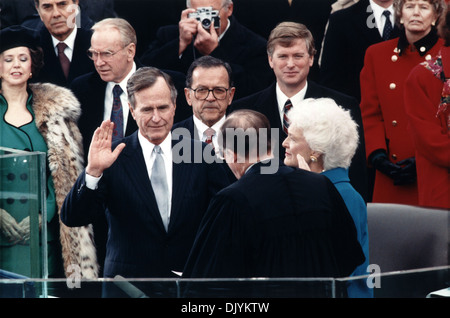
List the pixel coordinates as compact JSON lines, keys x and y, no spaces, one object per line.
{"x":288,"y":223}
{"x":243,"y":49}
{"x":350,"y":32}
{"x":138,"y":245}
{"x":81,"y":64}
{"x":266,"y":103}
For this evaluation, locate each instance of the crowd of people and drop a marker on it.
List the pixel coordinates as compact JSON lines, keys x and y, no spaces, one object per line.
{"x":351,"y":108}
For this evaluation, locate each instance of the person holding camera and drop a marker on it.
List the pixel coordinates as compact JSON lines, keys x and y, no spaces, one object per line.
{"x":207,"y":27}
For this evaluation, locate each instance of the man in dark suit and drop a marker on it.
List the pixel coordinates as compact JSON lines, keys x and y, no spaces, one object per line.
{"x":350,"y":32}
{"x":177,"y":46}
{"x":112,"y":49}
{"x":275,"y":221}
{"x":291,"y":58}
{"x":209,"y":91}
{"x":151,"y":229}
{"x":62,"y":64}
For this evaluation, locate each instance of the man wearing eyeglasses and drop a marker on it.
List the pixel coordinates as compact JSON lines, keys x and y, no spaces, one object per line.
{"x":177,"y":46}
{"x":209,"y":90}
{"x":64,"y":43}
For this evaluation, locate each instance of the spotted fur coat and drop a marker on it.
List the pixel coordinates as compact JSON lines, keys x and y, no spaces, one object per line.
{"x":56,"y":114}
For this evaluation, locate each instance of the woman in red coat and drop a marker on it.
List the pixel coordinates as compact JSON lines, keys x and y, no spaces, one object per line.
{"x":427,"y":99}
{"x":389,"y":145}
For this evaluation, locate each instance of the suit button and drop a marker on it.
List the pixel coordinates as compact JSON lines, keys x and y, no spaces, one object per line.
{"x":23,"y":177}
{"x":394,"y":58}
{"x":394,"y":123}
{"x":392,"y":86}
{"x":423,"y":49}
{"x":10,"y":200}
{"x":394,"y":156}
{"x":428,"y":57}
{"x":10,"y":176}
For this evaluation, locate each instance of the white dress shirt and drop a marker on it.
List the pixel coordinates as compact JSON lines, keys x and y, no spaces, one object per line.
{"x":295,"y":100}
{"x":380,"y":19}
{"x":201,"y":127}
{"x":70,"y":42}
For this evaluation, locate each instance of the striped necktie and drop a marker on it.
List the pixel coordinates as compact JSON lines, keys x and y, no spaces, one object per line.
{"x":287,"y":107}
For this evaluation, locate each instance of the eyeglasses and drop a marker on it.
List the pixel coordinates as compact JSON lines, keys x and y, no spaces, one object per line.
{"x":202,"y":93}
{"x":105,"y":56}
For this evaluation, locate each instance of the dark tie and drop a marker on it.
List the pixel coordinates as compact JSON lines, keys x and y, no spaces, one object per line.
{"x":287,"y":107}
{"x":209,"y":133}
{"x":65,"y":63}
{"x":160,"y":187}
{"x":387,"y":26}
{"x":117,"y":114}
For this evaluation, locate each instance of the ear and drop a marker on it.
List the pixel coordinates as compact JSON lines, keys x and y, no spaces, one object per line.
{"x":187,"y":94}
{"x":131,"y":111}
{"x":230,"y":9}
{"x":230,"y":97}
{"x":270,"y":61}
{"x":131,"y":51}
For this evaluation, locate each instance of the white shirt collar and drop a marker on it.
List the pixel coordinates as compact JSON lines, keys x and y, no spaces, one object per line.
{"x":378,"y":14}
{"x":123,"y":83}
{"x":201,"y":127}
{"x":147,"y":146}
{"x":70,"y":42}
{"x":225,"y":31}
{"x":295,"y":100}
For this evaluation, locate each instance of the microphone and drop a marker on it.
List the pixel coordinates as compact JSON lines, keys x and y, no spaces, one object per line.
{"x":128,"y":288}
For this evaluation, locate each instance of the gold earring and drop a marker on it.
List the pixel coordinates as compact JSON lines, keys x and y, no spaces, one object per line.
{"x":433,"y":23}
{"x":31,"y":75}
{"x":313,"y":158}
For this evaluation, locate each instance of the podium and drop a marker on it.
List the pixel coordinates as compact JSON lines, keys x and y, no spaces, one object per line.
{"x":22,"y":200}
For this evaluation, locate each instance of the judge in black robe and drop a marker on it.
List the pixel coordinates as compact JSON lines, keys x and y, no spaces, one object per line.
{"x":281,"y":222}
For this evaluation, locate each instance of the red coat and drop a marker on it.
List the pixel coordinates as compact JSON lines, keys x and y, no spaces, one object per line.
{"x":386,"y":67}
{"x":430,"y":133}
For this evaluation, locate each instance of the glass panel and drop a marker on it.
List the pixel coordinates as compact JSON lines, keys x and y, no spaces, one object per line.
{"x":420,"y":283}
{"x":22,"y":202}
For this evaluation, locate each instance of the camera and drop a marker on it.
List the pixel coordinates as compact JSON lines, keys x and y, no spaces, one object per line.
{"x":206,"y":15}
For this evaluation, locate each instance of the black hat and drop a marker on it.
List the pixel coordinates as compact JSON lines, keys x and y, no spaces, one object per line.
{"x":15,"y":36}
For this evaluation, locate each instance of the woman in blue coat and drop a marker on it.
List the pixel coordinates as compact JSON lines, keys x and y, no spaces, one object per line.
{"x":322,"y":137}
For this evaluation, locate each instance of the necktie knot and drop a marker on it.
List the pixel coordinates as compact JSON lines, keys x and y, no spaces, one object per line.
{"x":287,"y":105}
{"x":61,"y":47}
{"x":209,"y":133}
{"x":117,"y":91}
{"x":157,"y":149}
{"x":387,"y":13}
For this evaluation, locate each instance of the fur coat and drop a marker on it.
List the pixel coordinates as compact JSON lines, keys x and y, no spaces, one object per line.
{"x":56,"y":112}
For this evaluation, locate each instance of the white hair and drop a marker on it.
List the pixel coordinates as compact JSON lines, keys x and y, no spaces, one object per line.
{"x":225,"y":3}
{"x":327,"y":128}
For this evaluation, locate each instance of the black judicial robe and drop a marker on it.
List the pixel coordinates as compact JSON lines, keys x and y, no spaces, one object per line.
{"x":292,"y":223}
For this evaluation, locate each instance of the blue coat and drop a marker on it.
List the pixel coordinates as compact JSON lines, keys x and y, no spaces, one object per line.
{"x":358,"y":210}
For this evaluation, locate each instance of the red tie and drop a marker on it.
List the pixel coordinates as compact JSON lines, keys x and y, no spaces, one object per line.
{"x":287,"y":107}
{"x":65,"y":63}
{"x":209,"y":134}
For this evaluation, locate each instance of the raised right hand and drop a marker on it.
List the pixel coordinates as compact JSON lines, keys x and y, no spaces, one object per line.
{"x":100,"y":156}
